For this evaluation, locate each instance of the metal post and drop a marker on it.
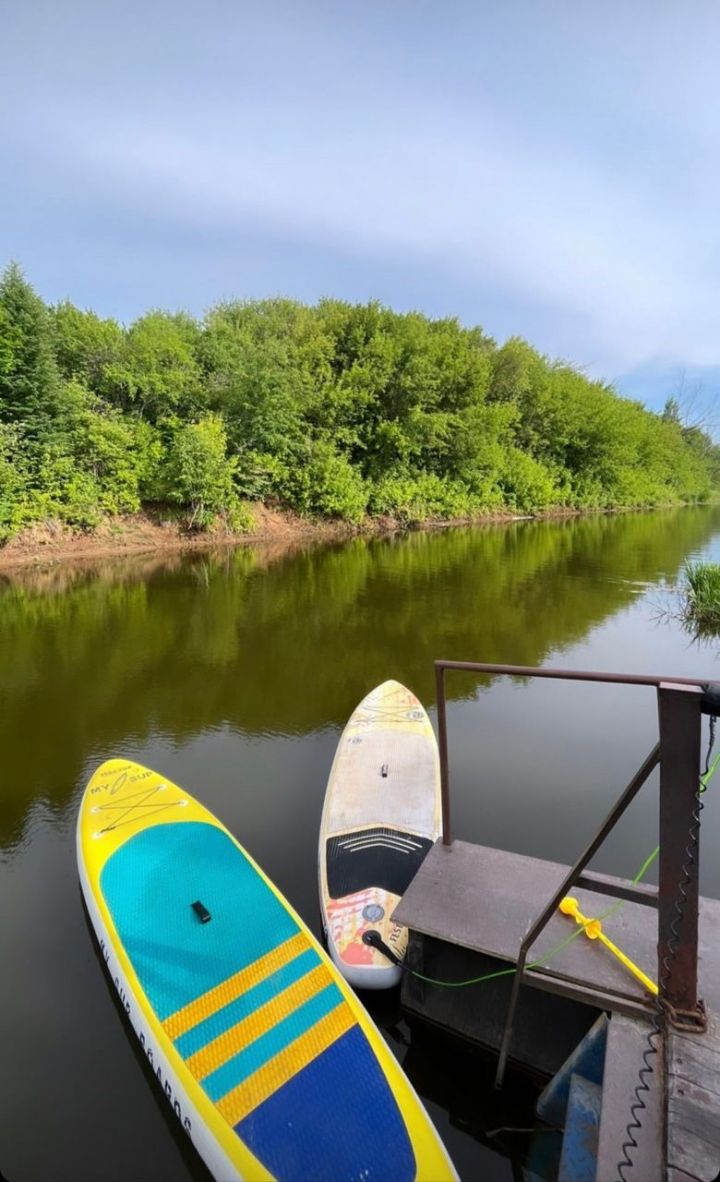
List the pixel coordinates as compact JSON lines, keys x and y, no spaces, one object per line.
{"x":443,"y":746}
{"x":680,"y":726}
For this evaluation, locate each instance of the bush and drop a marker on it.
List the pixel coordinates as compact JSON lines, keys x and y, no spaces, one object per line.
{"x":323,"y":483}
{"x":414,"y":498}
{"x":198,"y":471}
{"x":528,"y":484}
{"x":13,"y":482}
{"x":61,"y":489}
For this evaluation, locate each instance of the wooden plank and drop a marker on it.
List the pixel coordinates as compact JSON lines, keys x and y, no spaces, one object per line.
{"x":703,"y":1070}
{"x":703,"y":1041}
{"x":692,"y":1108}
{"x":693,"y":1101}
{"x":700,"y":1159}
{"x":627,"y":1039}
{"x":487,"y":899}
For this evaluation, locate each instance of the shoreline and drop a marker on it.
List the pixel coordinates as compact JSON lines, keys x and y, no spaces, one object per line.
{"x":145,"y":532}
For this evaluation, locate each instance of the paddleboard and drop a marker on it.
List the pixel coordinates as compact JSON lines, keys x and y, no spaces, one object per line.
{"x":269,"y":1061}
{"x":381,"y":816}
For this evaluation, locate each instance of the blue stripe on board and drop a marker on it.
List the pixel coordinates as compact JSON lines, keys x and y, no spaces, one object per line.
{"x":344,"y":1093}
{"x":237,"y":1069}
{"x":205,"y":1031}
{"x":149,"y":885}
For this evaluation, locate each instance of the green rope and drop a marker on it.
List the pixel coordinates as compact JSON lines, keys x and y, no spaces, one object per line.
{"x":707,"y":777}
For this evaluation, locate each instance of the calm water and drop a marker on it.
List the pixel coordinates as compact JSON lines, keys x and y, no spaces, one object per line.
{"x":233,"y":675}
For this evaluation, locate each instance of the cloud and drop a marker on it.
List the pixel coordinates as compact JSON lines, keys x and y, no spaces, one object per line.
{"x":535,"y":161}
{"x":480,"y":203}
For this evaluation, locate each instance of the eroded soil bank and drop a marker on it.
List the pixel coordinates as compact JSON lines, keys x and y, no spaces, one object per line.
{"x":143,"y":532}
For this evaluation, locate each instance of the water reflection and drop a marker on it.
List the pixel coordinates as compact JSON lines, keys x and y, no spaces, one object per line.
{"x":275,"y":643}
{"x":231,"y":673}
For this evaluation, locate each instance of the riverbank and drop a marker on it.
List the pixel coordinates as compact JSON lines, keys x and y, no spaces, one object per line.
{"x":151,"y":531}
{"x":139,"y":533}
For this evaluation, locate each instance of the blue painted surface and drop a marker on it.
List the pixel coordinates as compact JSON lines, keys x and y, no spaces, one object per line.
{"x":257,"y":1053}
{"x":588,"y":1060}
{"x":149,"y":885}
{"x":210,"y":1028}
{"x":578,"y":1161}
{"x":344,"y":1093}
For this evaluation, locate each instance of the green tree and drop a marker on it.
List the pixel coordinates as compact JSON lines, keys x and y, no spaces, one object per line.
{"x":86,"y":347}
{"x":333,"y":409}
{"x":255,"y":375}
{"x":28,"y":373}
{"x":157,"y":373}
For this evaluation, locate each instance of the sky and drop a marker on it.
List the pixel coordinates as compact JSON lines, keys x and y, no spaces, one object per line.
{"x":544,"y":168}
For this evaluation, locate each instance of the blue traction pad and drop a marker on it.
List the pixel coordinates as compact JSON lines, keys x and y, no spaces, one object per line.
{"x":339,"y":1119}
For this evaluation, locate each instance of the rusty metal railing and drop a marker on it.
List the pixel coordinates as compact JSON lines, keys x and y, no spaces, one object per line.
{"x":681,"y":702}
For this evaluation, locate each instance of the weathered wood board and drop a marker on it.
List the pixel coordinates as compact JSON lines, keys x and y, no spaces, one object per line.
{"x":487,"y":899}
{"x":627,"y":1040}
{"x":693,"y":1103}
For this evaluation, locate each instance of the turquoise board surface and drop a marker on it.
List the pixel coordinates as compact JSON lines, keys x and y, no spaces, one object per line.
{"x":149,"y":885}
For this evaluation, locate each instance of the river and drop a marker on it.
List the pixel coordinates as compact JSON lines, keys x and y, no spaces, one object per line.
{"x":233,"y":674}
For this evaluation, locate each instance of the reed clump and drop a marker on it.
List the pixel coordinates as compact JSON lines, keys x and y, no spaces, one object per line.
{"x":701,"y":596}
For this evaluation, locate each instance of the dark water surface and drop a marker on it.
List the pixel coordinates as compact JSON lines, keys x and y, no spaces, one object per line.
{"x":233,"y":675}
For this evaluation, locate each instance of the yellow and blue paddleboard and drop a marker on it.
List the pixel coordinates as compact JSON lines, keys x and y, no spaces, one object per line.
{"x":271,"y":1064}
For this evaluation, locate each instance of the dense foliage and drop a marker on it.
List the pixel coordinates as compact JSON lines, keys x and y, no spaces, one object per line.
{"x":335,"y":410}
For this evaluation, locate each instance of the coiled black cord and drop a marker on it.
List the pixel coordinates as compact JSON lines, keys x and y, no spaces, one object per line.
{"x":642,"y":1087}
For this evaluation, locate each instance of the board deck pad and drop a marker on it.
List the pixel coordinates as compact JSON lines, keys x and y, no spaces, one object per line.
{"x":381,"y":816}
{"x":278,"y":1056}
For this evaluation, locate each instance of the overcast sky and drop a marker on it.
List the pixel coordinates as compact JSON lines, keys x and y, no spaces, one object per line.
{"x":543,"y":167}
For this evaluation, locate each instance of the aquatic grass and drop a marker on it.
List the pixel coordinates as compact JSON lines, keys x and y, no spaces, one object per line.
{"x":700,"y":594}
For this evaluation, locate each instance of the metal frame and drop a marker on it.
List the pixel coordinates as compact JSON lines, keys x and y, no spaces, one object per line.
{"x":680,"y":704}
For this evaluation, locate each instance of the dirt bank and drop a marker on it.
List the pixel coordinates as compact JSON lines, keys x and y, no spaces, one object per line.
{"x":51,"y":543}
{"x":142,"y":532}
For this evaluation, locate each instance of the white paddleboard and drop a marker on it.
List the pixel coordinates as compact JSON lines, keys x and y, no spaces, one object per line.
{"x":380,"y":818}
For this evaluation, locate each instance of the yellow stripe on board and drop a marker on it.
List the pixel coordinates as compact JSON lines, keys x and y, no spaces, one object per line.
{"x":267,"y":1079}
{"x":227,"y":1044}
{"x":221,"y":995}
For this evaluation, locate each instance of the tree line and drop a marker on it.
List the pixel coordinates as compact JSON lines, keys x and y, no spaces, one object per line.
{"x":335,"y":410}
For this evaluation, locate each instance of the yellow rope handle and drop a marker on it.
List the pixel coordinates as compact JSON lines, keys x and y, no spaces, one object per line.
{"x":593,"y":931}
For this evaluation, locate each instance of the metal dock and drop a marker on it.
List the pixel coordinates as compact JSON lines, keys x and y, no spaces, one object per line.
{"x":473,"y":911}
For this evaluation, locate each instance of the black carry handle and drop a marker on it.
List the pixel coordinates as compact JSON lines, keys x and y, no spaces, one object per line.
{"x":375,"y":940}
{"x":201,"y":911}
